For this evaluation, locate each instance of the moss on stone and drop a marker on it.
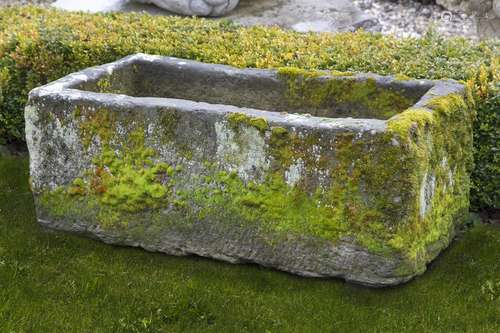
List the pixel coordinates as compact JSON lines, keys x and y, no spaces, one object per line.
{"x":273,"y":205}
{"x":77,"y":187}
{"x":104,"y":85}
{"x":440,"y":143}
{"x":449,"y":106}
{"x":329,"y":213}
{"x":95,"y":125}
{"x":280,"y":145}
{"x":372,"y":194}
{"x":169,"y":120}
{"x":166,"y":130}
{"x":313,"y":89}
{"x":126,"y":182}
{"x":237,"y":119}
{"x":121,"y":181}
{"x":409,"y":121}
{"x":402,"y":77}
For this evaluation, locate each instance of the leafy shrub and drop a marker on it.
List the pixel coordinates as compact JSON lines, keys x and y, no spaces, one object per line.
{"x":40,"y":45}
{"x":485,"y":189}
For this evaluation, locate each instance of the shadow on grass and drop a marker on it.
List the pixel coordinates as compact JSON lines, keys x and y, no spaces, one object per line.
{"x":55,"y":282}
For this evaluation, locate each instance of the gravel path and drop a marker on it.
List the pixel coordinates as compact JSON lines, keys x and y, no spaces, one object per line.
{"x":402,"y":18}
{"x":25,"y":2}
{"x":407,"y":18}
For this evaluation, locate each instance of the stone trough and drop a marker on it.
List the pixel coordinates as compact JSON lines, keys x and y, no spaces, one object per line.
{"x":320,"y":174}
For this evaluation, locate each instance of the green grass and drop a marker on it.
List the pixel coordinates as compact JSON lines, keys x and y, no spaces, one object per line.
{"x":54,"y":282}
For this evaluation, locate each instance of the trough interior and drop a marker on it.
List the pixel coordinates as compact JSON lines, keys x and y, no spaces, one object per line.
{"x":333,"y":97}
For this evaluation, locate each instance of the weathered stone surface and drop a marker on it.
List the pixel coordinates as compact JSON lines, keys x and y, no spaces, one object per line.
{"x":195,"y":7}
{"x":319,"y":174}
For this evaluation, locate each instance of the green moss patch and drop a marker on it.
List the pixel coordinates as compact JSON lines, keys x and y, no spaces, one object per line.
{"x":441,"y":145}
{"x":237,"y":119}
{"x":121,"y":181}
{"x":361,"y":98}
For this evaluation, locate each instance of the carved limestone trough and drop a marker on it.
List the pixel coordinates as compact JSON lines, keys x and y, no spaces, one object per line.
{"x":319,"y":174}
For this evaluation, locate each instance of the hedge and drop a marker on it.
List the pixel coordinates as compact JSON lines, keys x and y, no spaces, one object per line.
{"x":39,"y":45}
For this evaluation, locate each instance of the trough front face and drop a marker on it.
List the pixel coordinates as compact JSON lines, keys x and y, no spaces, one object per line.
{"x":320,"y":174}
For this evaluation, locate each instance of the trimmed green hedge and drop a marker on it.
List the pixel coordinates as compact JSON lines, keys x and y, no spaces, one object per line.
{"x":41,"y":45}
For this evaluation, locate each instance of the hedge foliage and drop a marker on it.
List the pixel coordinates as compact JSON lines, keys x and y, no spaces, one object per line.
{"x":39,"y":45}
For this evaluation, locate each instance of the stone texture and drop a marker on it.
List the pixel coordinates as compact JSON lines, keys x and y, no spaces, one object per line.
{"x":195,"y":7}
{"x":316,"y":174}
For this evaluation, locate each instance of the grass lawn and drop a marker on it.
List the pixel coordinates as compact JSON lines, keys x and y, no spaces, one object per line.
{"x":54,"y":282}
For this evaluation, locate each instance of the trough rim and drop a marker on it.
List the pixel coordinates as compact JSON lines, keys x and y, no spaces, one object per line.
{"x":63,"y":89}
